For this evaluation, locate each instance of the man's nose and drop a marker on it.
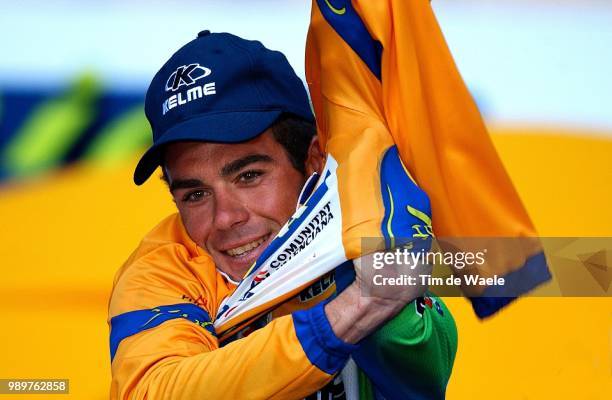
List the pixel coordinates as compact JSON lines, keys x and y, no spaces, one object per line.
{"x":230,"y":211}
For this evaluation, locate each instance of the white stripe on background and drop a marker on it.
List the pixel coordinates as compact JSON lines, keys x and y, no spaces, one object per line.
{"x":542,"y":62}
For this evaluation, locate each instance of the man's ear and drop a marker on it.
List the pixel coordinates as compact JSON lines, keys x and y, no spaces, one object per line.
{"x":315,"y":160}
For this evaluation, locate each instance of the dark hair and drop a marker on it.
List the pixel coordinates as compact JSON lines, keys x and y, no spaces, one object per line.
{"x":295,"y":135}
{"x":291,"y":132}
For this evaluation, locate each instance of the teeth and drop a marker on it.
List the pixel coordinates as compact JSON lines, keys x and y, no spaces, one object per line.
{"x":243,"y":249}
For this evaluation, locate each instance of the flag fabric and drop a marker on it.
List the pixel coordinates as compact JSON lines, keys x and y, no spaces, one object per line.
{"x":381,"y":76}
{"x":408,"y":155}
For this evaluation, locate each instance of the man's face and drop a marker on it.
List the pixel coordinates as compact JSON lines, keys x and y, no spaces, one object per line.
{"x":233,"y":198}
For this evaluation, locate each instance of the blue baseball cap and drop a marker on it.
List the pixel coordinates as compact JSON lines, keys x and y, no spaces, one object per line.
{"x":219,"y":88}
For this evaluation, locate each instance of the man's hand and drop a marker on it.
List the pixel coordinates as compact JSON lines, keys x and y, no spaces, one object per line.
{"x":354,"y":316}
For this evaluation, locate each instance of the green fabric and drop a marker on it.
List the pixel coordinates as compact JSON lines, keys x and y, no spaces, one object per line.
{"x":366,"y":389}
{"x":418,"y":351}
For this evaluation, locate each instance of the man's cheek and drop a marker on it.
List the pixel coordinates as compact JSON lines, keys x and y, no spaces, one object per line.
{"x":282,"y":198}
{"x":197,"y":226}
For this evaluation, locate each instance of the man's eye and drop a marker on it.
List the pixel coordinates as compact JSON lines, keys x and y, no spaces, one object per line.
{"x":249,"y":176}
{"x":192,"y":197}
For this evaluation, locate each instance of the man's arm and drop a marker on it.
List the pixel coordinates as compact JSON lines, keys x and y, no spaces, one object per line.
{"x":353,"y":316}
{"x":163,"y":346}
{"x":292,"y":357}
{"x":412,"y":354}
{"x":179,"y":360}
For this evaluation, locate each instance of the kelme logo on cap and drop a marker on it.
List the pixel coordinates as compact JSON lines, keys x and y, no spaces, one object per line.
{"x":186,"y":75}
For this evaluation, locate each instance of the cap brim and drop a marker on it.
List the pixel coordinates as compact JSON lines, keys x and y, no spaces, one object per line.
{"x":229,"y":127}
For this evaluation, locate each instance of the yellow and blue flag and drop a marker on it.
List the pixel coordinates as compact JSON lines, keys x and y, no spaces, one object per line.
{"x":383,"y":82}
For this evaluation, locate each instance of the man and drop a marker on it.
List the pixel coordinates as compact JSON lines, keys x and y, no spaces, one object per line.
{"x":234,"y":135}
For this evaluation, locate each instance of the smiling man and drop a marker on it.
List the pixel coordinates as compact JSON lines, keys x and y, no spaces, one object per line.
{"x":235,"y":137}
{"x":247,"y":191}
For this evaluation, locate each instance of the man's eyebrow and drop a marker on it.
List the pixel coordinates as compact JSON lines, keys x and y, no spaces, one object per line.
{"x":185,"y":184}
{"x":237,"y":165}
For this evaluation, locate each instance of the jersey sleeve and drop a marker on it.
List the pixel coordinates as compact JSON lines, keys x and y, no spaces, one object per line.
{"x":163,"y":344}
{"x":180,"y":360}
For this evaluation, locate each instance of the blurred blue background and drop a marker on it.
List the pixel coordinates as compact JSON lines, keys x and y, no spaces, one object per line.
{"x":528,"y":63}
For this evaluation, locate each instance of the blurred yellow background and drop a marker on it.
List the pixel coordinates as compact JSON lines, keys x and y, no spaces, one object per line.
{"x":64,"y":236}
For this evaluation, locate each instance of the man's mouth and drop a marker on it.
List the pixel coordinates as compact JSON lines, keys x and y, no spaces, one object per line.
{"x":246,"y":248}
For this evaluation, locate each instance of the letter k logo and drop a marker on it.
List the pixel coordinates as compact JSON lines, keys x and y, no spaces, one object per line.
{"x":186,"y":75}
{"x":182,"y":76}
